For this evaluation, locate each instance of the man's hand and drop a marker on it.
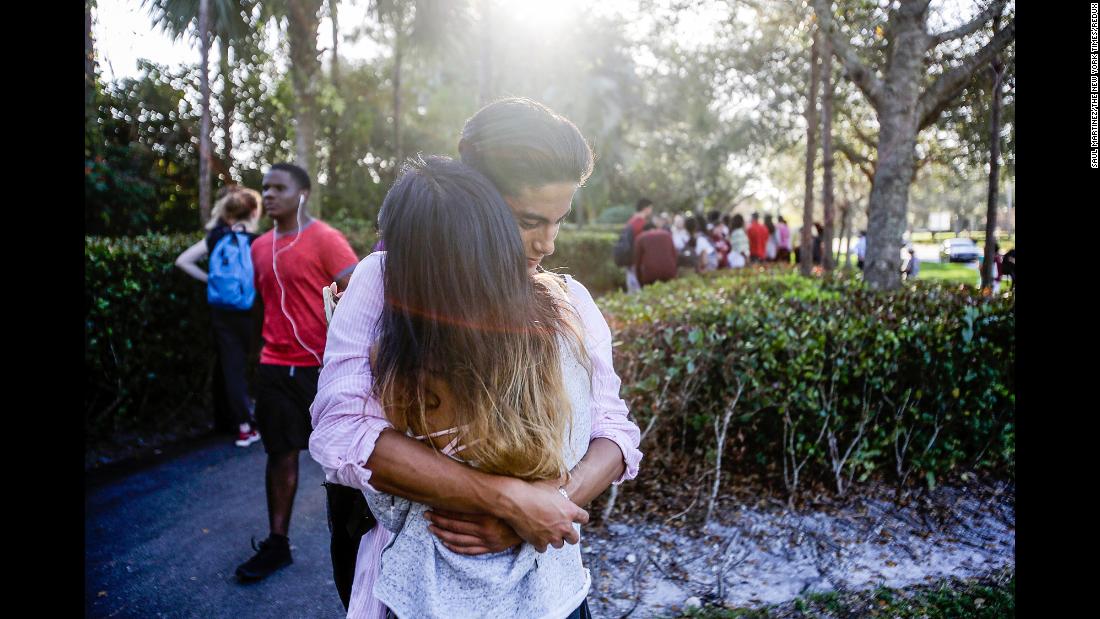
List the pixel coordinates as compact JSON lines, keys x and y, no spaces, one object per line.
{"x":336,"y":293}
{"x":469,"y":534}
{"x":540,"y":515}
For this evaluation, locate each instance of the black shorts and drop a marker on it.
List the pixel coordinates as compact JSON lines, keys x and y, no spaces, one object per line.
{"x":283,"y":397}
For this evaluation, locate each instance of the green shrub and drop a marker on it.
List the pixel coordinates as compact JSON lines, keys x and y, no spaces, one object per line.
{"x":148,"y":352}
{"x":587,"y":256}
{"x":615,"y":214}
{"x":837,"y":383}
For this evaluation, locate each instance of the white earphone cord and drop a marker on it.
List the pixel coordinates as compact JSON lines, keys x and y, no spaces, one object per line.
{"x":282,"y":290}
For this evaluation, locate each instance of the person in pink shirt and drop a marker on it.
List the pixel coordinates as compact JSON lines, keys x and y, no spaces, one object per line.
{"x":291,"y":263}
{"x":783,"y":240}
{"x":758,"y":239}
{"x":537,"y":159}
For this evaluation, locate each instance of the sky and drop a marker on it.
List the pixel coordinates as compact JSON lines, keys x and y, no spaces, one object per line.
{"x":123,"y":30}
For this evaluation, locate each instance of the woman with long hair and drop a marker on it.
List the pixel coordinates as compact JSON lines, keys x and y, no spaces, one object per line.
{"x":236,"y":211}
{"x":537,"y":160}
{"x":486,"y":363}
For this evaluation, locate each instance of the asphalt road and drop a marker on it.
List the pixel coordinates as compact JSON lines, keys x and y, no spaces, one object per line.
{"x":164,"y":540}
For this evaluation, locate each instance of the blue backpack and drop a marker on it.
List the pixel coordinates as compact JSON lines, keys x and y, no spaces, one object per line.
{"x":230,"y":284}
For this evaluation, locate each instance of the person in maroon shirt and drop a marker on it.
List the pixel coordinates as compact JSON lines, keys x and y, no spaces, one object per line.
{"x":642,"y":210}
{"x":758,"y":239}
{"x":654,"y":255}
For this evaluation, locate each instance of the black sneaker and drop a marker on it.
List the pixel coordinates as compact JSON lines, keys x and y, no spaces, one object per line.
{"x":272,"y":553}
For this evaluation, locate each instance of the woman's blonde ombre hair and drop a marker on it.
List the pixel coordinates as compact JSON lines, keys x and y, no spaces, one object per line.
{"x":468,"y":339}
{"x":238,"y":205}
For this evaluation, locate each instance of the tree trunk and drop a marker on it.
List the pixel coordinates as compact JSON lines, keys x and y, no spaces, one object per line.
{"x":902,"y":110}
{"x":843,"y":230}
{"x":305,"y":68}
{"x":806,"y":251}
{"x":398,"y":155}
{"x":334,"y":16}
{"x":204,"y":126}
{"x":334,"y":129}
{"x":89,"y":66}
{"x":898,"y":125}
{"x":827,"y":153}
{"x":229,"y":105}
{"x":996,"y":68}
{"x":485,"y":68}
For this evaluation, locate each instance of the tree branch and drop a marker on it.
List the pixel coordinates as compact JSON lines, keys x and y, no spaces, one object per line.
{"x":935,"y":99}
{"x":865,"y":164}
{"x":970,"y":27}
{"x":861,"y":75}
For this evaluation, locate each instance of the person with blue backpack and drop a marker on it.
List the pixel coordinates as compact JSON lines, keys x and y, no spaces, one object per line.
{"x":230,"y":292}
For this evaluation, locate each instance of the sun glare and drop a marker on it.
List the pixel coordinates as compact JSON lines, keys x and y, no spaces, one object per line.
{"x":547,"y":14}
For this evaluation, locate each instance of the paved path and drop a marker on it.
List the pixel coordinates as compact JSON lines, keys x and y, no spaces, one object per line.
{"x":164,"y":541}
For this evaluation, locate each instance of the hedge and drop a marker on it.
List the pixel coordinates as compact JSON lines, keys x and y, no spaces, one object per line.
{"x":148,"y":351}
{"x":819,"y":379}
{"x":837,"y":383}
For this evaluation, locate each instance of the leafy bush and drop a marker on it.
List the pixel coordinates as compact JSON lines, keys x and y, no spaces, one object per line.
{"x":819,"y":379}
{"x":615,"y":214}
{"x":147,"y":353}
{"x":587,"y":256}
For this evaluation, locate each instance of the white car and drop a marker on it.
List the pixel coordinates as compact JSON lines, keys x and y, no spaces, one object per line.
{"x":959,"y":250}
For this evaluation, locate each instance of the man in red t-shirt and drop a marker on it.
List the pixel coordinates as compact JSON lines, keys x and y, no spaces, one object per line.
{"x":758,"y":239}
{"x":654,"y":255}
{"x":292,"y":264}
{"x":642,"y":210}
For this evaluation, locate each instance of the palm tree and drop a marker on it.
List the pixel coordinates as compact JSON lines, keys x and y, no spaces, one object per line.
{"x":429,"y":25}
{"x":229,"y":21}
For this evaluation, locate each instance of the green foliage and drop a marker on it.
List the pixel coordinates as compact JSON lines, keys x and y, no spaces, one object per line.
{"x":146,"y":355}
{"x":617,"y":214}
{"x":142,"y":173}
{"x":946,"y":599}
{"x":926,"y":372}
{"x":587,"y":256}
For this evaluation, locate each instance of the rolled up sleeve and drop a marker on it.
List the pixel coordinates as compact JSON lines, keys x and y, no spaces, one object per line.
{"x":346,"y":418}
{"x":609,"y":411}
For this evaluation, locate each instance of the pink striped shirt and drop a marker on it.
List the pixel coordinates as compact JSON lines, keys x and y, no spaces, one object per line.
{"x":347,"y":420}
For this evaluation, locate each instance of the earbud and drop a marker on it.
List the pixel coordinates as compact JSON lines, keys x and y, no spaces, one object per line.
{"x":301,"y":200}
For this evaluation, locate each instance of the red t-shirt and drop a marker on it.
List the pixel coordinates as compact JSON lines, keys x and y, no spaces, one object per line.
{"x":637,"y":222}
{"x":654,"y":256}
{"x":321,"y":256}
{"x":758,"y":240}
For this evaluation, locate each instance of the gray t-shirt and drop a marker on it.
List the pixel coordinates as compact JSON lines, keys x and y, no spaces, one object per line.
{"x":420,"y":577}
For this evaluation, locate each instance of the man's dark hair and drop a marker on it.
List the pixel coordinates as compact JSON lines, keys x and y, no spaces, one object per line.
{"x":755,"y":216}
{"x":649,"y":225}
{"x":642,"y":203}
{"x":737,"y":222}
{"x":300,"y":175}
{"x":713,"y":216}
{"x":521,"y":144}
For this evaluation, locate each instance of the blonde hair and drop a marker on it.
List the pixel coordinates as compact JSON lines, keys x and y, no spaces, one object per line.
{"x":237,"y":205}
{"x":468,"y":339}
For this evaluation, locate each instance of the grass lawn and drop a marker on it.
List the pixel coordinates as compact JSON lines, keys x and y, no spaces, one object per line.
{"x":990,"y":598}
{"x":954,"y":273}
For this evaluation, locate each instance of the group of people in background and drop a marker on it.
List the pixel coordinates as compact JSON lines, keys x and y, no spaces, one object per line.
{"x":663,"y":244}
